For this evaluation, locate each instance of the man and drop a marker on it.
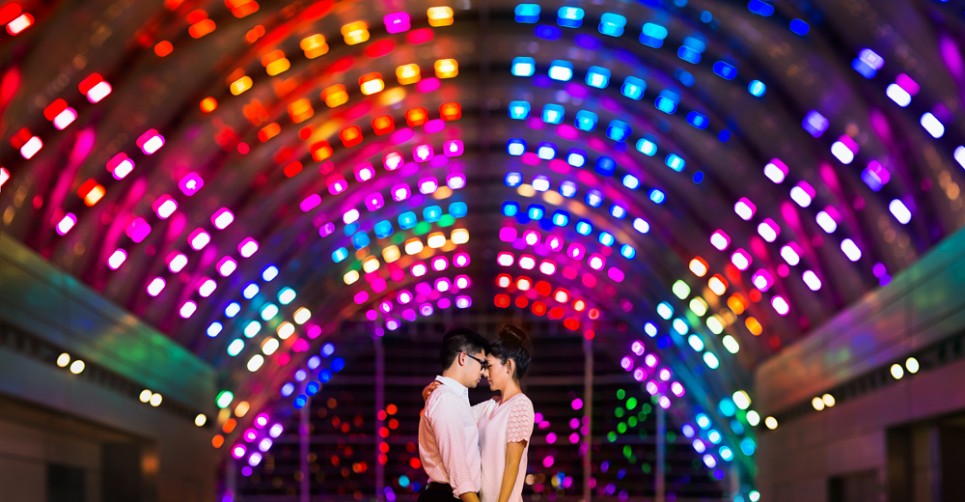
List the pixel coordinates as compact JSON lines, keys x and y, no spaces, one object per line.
{"x":448,"y":437}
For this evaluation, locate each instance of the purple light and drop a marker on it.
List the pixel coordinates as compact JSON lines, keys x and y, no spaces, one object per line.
{"x":276,"y":430}
{"x":626,"y":363}
{"x":374,"y":202}
{"x":815,"y":123}
{"x":401,"y":192}
{"x":577,"y":404}
{"x":426,"y":309}
{"x":428,"y":185}
{"x":453,"y":148}
{"x":238,"y":451}
{"x":190,"y":184}
{"x":199,"y":239}
{"x":246,"y":471}
{"x":248,"y":247}
{"x":66,"y":223}
{"x":456,"y":181}
{"x":165,"y":206}
{"x":391,"y":325}
{"x":150,"y":142}
{"x":463,"y":302}
{"x":650,"y":360}
{"x":117,"y":259}
{"x":250,"y":435}
{"x":138,"y":230}
{"x":397,"y":22}
{"x":639,"y":375}
{"x":264,"y":444}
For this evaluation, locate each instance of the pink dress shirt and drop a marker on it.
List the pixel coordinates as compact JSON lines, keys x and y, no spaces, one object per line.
{"x":449,"y":438}
{"x":508,"y":422}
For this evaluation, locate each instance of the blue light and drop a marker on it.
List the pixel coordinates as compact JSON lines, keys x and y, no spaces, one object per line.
{"x":684,"y":77}
{"x":269,"y":273}
{"x":518,"y":110}
{"x":516,"y":147}
{"x":548,"y":32}
{"x":725,"y":71}
{"x":627,"y":251}
{"x":232,"y":309}
{"x":214,"y":329}
{"x":646,"y":147}
{"x":697,"y":120}
{"x":351,"y":228}
{"x":339,"y":255}
{"x":583,"y":227}
{"x":688,"y":54}
{"x":605,"y":165}
{"x":657,"y":196}
{"x":553,"y":113}
{"x":698,"y":177}
{"x":561,"y":70}
{"x":748,"y":446}
{"x":527,"y":13}
{"x":432,"y":213}
{"x":561,"y":218}
{"x":815,"y":123}
{"x":618,"y":212}
{"x":536,"y":212}
{"x":630,"y":181}
{"x":576,"y":158}
{"x":407,"y":220}
{"x":513,"y":179}
{"x":286,"y":296}
{"x":667,"y":101}
{"x":338,"y":364}
{"x":568,"y":189}
{"x":674,"y":162}
{"x":570,"y":17}
{"x":510,"y":208}
{"x":726,"y":454}
{"x":618,"y":130}
{"x":250,"y":290}
{"x":760,"y":8}
{"x":633,"y":87}
{"x":300,"y":401}
{"x":800,"y":27}
{"x":328,"y":349}
{"x":598,"y":77}
{"x":653,"y":35}
{"x":523,"y":66}
{"x":312,"y":388}
{"x":723,"y":136}
{"x":287,"y":389}
{"x":361,"y":240}
{"x":606,"y":239}
{"x":612,"y":24}
{"x":594,"y":198}
{"x":546,"y":151}
{"x":382,"y":229}
{"x":867,"y":63}
{"x":586,"y":120}
{"x":458,"y":209}
{"x":756,"y":88}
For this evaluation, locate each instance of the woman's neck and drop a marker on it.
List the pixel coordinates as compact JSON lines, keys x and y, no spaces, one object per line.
{"x":512,"y":388}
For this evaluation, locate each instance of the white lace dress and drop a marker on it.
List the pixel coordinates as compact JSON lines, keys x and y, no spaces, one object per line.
{"x":508,"y":422}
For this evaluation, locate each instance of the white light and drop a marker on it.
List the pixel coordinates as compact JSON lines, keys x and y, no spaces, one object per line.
{"x":826,"y":222}
{"x":898,"y":95}
{"x":207,"y":287}
{"x":812,"y":280}
{"x":817,"y":403}
{"x":77,"y":367}
{"x":842,"y":152}
{"x":780,"y":305}
{"x":200,"y":420}
{"x":768,"y":230}
{"x":753,"y":418}
{"x":932,"y":125}
{"x":177,"y":263}
{"x":900,"y":211}
{"x":790,"y":255}
{"x":156,"y":400}
{"x":188,"y":309}
{"x":166,"y":208}
{"x":775,"y":173}
{"x":63,"y":360}
{"x":641,"y":225}
{"x":770,"y":423}
{"x":145,"y":396}
{"x":199,"y":240}
{"x":64,"y":119}
{"x":302,"y":315}
{"x":156,"y":286}
{"x":254,"y":364}
{"x":98,"y":92}
{"x":222,"y":219}
{"x":351,"y":216}
{"x":959,"y":156}
{"x":31,"y":147}
{"x":227,"y":266}
{"x":801,"y":196}
{"x":745,"y":209}
{"x":117,"y":259}
{"x":851,"y":250}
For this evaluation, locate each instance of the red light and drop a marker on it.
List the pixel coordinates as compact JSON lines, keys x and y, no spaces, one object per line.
{"x":571,"y":324}
{"x":88,"y":83}
{"x":54,"y":109}
{"x":383,"y":125}
{"x":351,"y":136}
{"x":416,"y":117}
{"x":380,"y":48}
{"x":522,"y":302}
{"x":450,"y":111}
{"x":593,"y":313}
{"x":293,"y":169}
{"x":321,"y":151}
{"x":555,"y":313}
{"x":543,"y":288}
{"x":502,"y":300}
{"x":420,"y":36}
{"x":9,"y":12}
{"x":539,"y":308}
{"x":589,"y":334}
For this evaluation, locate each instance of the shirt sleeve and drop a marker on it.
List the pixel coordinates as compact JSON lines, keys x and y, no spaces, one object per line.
{"x":521,"y":418}
{"x":454,"y":431}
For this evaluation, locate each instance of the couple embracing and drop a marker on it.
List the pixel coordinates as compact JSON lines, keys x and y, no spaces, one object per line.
{"x":477,"y":453}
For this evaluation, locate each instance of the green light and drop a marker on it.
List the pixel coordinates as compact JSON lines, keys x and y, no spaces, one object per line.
{"x":681,"y":289}
{"x":631,"y":403}
{"x":646,"y":409}
{"x":611,"y":436}
{"x":671,"y":436}
{"x":619,"y":412}
{"x":621,"y":394}
{"x":398,"y":239}
{"x":423,"y":228}
{"x":627,"y":451}
{"x":632,"y":421}
{"x":446,"y":221}
{"x":646,"y":468}
{"x":224,"y":399}
{"x":622,"y":428}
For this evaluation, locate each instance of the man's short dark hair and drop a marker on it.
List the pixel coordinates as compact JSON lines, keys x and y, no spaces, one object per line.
{"x":458,"y":340}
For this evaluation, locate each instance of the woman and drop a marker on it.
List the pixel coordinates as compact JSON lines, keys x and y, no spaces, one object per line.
{"x":506,"y":421}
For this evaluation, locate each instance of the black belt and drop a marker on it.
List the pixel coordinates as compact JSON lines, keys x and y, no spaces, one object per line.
{"x":439,"y":486}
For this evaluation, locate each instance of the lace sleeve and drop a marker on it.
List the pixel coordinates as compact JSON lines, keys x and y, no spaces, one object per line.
{"x":521,"y":418}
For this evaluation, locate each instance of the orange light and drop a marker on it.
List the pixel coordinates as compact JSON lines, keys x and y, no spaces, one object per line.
{"x":300,"y":110}
{"x":383,"y":125}
{"x":698,"y":266}
{"x":254,"y":34}
{"x":446,"y":68}
{"x":439,"y":16}
{"x":416,"y":117}
{"x":201,"y":28}
{"x":321,"y":151}
{"x":351,"y":136}
{"x":229,"y":425}
{"x":718,"y":284}
{"x":242,"y":8}
{"x":335,"y":95}
{"x":579,"y":305}
{"x":314,"y":46}
{"x":737,"y":303}
{"x":391,"y":409}
{"x":95,"y":195}
{"x":163,"y":48}
{"x":371,"y":83}
{"x":408,"y":74}
{"x":275,"y":63}
{"x":217,"y":441}
{"x":209,"y":104}
{"x":269,"y":131}
{"x":753,"y":326}
{"x":450,"y":111}
{"x":240,"y":85}
{"x":355,"y":33}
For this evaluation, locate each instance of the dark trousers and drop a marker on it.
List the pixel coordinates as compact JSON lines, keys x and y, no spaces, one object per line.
{"x":437,"y":492}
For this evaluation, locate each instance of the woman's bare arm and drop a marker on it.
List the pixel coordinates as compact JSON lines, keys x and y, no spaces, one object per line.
{"x":514,"y":455}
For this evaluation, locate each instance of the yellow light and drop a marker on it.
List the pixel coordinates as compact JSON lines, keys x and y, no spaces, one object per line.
{"x":525,"y":190}
{"x":302,"y":315}
{"x":736,"y":303}
{"x":439,"y":16}
{"x":371,"y":264}
{"x":817,"y":403}
{"x":754,"y":326}
{"x":200,"y":420}
{"x":156,"y":400}
{"x":77,"y":367}
{"x":715,"y":324}
{"x":408,"y":74}
{"x":355,"y":33}
{"x":446,"y":68}
{"x":145,"y":396}
{"x":269,"y":131}
{"x":300,"y":110}
{"x":371,"y":83}
{"x":63,"y":360}
{"x":391,"y":253}
{"x":285,"y":330}
{"x":314,"y":46}
{"x":436,"y":240}
{"x":335,"y":95}
{"x":717,"y":285}
{"x":351,"y":277}
{"x":275,"y":62}
{"x":391,"y":96}
{"x":442,"y":193}
{"x":770,"y":423}
{"x":459,"y":236}
{"x":254,"y":364}
{"x":698,"y":266}
{"x":912,"y":365}
{"x":240,"y":85}
{"x":413,"y":246}
{"x":270,"y":346}
{"x":242,"y":409}
{"x":209,"y":104}
{"x":698,"y":306}
{"x":829,"y":400}
{"x":95,"y":195}
{"x":897,"y":372}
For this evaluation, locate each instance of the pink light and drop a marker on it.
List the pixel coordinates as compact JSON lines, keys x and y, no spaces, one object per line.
{"x":434,"y":126}
{"x":548,"y":461}
{"x":4,"y":176}
{"x":428,"y":185}
{"x":238,"y":451}
{"x":190,"y":184}
{"x":401,"y":192}
{"x":555,"y":243}
{"x":65,"y":118}
{"x":551,"y":438}
{"x":120,"y":166}
{"x":176,"y":262}
{"x":248,"y":247}
{"x":150,"y":142}
{"x":188,"y":309}
{"x":276,"y":430}
{"x":463,"y":302}
{"x":531,"y":237}
{"x":908,"y":84}
{"x":227,"y":266}
{"x":392,"y":161}
{"x":404,"y":297}
{"x":207,"y":287}
{"x":596,"y":262}
{"x":397,"y":22}
{"x":719,"y":240}
{"x":741,"y":259}
{"x":440,"y":263}
{"x":422,"y":153}
{"x":637,"y":347}
{"x":576,"y":251}
{"x":664,"y":374}
{"x":138,"y":230}
{"x":577,"y":404}
{"x":310,"y":202}
{"x":639,"y":375}
{"x":31,"y":147}
{"x":98,"y":92}
{"x":456,"y":181}
{"x":442,"y":285}
{"x":462,"y":281}
{"x":326,"y":229}
{"x":117,"y":259}
{"x":199,"y":239}
{"x":505,"y":259}
{"x":574,"y":438}
{"x":615,"y":274}
{"x":364,"y":172}
{"x":419,"y":269}
{"x":156,"y":286}
{"x":780,"y":305}
{"x":453,"y":148}
{"x":361,"y":297}
{"x":337,"y":185}
{"x":222,"y":218}
{"x":745,"y":208}
{"x":165,"y":206}
{"x":762,"y":280}
{"x":664,"y":402}
{"x":652,"y":388}
{"x":508,"y":234}
{"x":428,"y":85}
{"x":386,"y":306}
{"x":66,"y":223}
{"x":374,"y":202}
{"x":461,"y":260}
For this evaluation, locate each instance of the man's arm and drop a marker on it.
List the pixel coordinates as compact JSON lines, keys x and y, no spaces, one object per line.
{"x":451,"y":423}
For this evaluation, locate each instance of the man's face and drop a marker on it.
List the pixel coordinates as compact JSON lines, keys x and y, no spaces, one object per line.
{"x":477,"y":367}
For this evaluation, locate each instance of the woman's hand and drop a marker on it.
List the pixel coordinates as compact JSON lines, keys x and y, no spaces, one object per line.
{"x":429,"y":388}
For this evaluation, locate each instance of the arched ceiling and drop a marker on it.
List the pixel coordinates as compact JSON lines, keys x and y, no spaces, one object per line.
{"x":712,"y":178}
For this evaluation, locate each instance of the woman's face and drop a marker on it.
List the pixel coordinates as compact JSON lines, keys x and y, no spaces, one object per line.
{"x":499,"y":373}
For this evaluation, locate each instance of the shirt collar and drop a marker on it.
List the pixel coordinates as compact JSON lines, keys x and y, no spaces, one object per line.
{"x":452,"y":383}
